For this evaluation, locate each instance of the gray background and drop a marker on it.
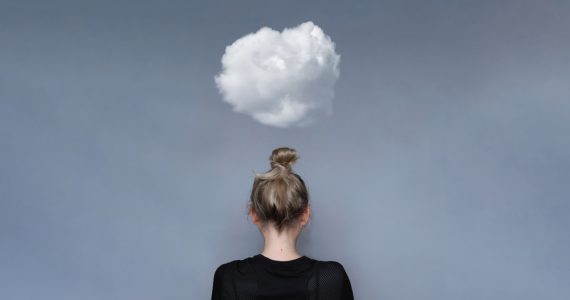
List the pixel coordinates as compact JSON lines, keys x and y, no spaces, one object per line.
{"x":442,"y":174}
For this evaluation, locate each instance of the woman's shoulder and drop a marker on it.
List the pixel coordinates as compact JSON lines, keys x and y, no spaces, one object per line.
{"x":243,"y":267}
{"x":233,"y":277}
{"x":333,"y":270}
{"x":333,"y":280}
{"x":240,"y":266}
{"x":332,"y":265}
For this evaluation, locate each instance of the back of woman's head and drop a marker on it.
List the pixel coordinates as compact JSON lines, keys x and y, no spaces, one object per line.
{"x":279,"y":196}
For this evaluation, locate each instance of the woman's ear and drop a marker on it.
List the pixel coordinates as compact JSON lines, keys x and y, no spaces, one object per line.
{"x":306,"y":215}
{"x":253,"y":216}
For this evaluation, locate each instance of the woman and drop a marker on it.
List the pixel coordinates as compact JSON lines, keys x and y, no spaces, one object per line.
{"x":279,"y":206}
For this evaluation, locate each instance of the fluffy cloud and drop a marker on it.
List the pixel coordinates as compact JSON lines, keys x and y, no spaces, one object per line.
{"x":280,"y":79}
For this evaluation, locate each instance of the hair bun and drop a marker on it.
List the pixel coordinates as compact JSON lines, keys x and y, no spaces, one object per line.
{"x":283,"y":157}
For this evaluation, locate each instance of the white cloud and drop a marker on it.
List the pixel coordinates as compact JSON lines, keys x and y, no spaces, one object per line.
{"x":280,"y":79}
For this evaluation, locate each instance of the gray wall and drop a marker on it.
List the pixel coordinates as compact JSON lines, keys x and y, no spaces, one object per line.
{"x":442,"y":173}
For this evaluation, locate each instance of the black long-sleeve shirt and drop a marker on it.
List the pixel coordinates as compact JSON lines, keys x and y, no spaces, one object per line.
{"x":260,"y":278}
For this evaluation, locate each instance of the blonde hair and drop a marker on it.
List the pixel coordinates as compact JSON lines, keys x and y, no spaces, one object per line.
{"x":279,"y":196}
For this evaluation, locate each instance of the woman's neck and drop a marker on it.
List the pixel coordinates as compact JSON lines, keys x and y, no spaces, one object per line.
{"x":282,"y":246}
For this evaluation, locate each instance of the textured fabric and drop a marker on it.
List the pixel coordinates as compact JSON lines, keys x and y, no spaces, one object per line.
{"x":261,"y":278}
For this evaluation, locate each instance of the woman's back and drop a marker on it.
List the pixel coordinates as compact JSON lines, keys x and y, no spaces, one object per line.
{"x":259,"y":278}
{"x":279,"y":207}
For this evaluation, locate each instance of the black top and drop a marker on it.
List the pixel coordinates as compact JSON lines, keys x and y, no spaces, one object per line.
{"x":259,"y":278}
